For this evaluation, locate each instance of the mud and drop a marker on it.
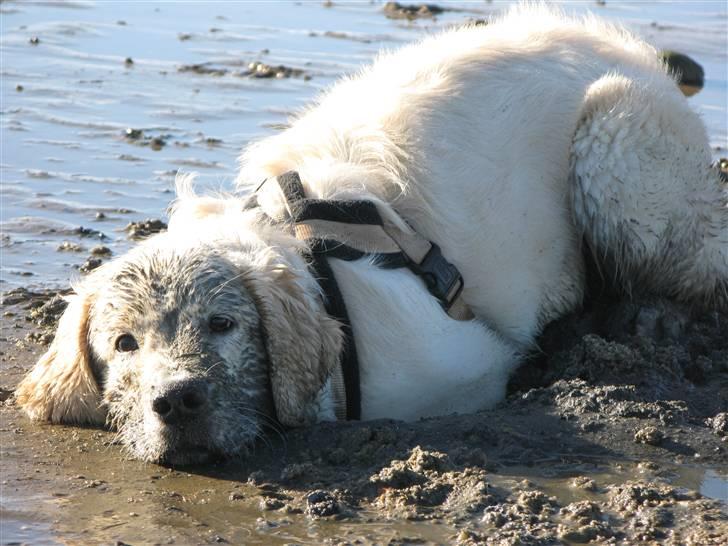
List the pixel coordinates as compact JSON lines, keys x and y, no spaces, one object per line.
{"x":143,"y":229}
{"x":139,"y":138}
{"x":616,"y":433}
{"x":254,"y":69}
{"x":395,"y":10}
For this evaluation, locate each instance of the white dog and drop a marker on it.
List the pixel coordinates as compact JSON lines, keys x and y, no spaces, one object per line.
{"x":510,"y":146}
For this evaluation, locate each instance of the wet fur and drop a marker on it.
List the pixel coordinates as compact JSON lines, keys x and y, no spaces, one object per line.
{"x":510,"y":146}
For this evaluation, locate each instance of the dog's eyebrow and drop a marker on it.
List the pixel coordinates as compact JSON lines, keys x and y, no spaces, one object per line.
{"x":188,"y":355}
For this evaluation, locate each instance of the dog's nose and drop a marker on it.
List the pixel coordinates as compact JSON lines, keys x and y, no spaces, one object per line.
{"x":181,"y":400}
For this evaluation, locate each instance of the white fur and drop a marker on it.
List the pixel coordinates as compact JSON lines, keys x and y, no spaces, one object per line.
{"x":469,"y":135}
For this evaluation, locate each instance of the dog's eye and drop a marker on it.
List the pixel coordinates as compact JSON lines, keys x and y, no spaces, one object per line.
{"x":126,"y":343}
{"x":220,"y":324}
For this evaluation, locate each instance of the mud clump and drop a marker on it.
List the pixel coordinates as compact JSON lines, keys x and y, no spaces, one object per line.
{"x":586,"y":451}
{"x":138,"y":138}
{"x":653,"y":511}
{"x":427,"y":485}
{"x":90,"y":264}
{"x":42,"y":309}
{"x":203,"y":69}
{"x":145,"y":228}
{"x":69,"y":246}
{"x":254,"y":69}
{"x":257,"y":69}
{"x":100,"y":250}
{"x":47,"y":313}
{"x":395,"y":10}
{"x":87,"y":232}
{"x":526,"y":516}
{"x":649,"y":435}
{"x":719,"y":424}
{"x":320,"y":504}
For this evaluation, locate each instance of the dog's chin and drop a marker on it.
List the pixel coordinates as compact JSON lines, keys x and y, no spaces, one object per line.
{"x":174,"y":450}
{"x":188,"y":455}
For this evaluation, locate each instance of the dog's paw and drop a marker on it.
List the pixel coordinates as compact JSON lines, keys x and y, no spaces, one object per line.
{"x":659,"y":320}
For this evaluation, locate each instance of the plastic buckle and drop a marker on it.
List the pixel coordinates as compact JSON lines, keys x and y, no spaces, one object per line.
{"x":439,"y":275}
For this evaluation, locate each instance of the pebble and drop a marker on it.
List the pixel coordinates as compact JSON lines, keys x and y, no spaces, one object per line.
{"x":100,"y":250}
{"x":157,"y":143}
{"x":144,"y":228}
{"x":395,"y":10}
{"x":649,"y":435}
{"x":69,"y":246}
{"x":133,"y":134}
{"x":90,"y":264}
{"x":321,"y":504}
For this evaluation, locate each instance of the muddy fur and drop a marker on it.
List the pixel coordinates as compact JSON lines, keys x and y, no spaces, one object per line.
{"x":166,"y":300}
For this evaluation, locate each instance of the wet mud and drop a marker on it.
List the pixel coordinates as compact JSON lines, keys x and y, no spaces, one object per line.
{"x":145,"y":228}
{"x":395,"y":10}
{"x":254,"y":69}
{"x":616,"y":433}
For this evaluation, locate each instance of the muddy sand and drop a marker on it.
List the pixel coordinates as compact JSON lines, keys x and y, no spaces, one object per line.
{"x":616,"y":432}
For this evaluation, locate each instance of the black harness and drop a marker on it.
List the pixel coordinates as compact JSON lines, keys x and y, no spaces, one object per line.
{"x":442,"y":279}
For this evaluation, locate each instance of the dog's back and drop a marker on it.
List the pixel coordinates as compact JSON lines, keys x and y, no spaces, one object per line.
{"x":469,"y":135}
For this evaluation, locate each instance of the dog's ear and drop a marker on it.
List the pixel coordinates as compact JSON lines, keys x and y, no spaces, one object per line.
{"x":61,"y":388}
{"x":302,"y":341}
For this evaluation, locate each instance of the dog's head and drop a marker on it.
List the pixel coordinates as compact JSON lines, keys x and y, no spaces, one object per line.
{"x":188,"y":346}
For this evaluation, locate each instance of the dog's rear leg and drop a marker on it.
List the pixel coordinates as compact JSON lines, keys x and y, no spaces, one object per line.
{"x":651,"y":208}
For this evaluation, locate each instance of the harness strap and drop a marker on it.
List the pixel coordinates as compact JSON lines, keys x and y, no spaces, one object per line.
{"x":442,"y":278}
{"x":364,"y":238}
{"x":351,"y":230}
{"x":344,"y":379}
{"x":360,"y":226}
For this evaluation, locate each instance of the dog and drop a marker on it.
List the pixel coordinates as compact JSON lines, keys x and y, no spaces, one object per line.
{"x":515,"y":148}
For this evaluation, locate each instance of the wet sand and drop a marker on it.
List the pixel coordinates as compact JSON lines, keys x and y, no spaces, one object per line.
{"x":618,"y":432}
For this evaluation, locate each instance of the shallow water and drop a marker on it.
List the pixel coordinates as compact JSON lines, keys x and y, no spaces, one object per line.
{"x":65,"y":159}
{"x":65,"y":162}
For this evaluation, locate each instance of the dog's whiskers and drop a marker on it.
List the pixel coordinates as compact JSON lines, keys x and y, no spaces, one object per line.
{"x":212,"y":366}
{"x":268,"y":422}
{"x":217,"y":289}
